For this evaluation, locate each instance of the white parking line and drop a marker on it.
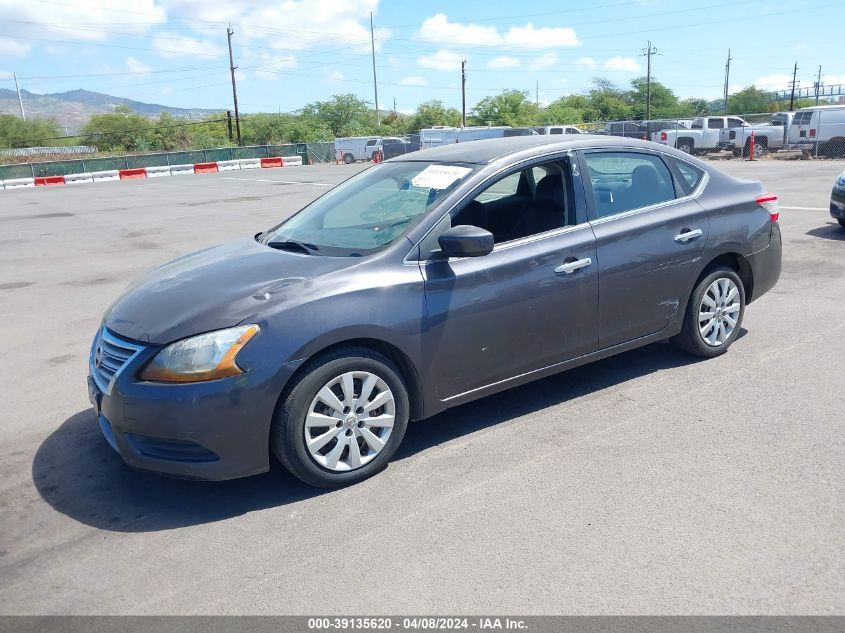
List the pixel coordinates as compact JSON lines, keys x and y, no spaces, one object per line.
{"x":806,"y":208}
{"x":284,"y":182}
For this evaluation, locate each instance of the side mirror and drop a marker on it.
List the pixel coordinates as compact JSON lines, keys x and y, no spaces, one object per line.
{"x":466,"y":241}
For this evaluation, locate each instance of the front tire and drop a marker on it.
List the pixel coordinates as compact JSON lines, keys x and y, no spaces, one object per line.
{"x":342,"y":419}
{"x":714,"y":314}
{"x":841,"y":223}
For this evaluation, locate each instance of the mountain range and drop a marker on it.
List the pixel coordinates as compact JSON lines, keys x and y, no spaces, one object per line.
{"x":72,"y":109}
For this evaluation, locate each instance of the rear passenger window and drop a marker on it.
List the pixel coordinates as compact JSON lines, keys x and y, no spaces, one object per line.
{"x":556,"y":130}
{"x":691,"y":175}
{"x":715,"y":124}
{"x":624,"y":181}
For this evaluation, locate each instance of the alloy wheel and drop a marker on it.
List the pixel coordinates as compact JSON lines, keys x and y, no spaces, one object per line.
{"x":718,"y":311}
{"x":349,"y":421}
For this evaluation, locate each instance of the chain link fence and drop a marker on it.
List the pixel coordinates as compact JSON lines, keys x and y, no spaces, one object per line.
{"x":310,"y":152}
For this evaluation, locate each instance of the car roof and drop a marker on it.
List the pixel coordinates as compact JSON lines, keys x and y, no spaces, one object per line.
{"x":488,"y":150}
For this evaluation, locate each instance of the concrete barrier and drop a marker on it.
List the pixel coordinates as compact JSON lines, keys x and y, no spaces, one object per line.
{"x":17,"y":183}
{"x":276,"y":161}
{"x":132,"y":174}
{"x":1,"y":186}
{"x":228,"y":165}
{"x":49,"y":181}
{"x":250,"y":163}
{"x":155,"y":172}
{"x":291,"y":161}
{"x":75,"y":179}
{"x":105,"y":176}
{"x":205,"y":168}
{"x":181,"y":170}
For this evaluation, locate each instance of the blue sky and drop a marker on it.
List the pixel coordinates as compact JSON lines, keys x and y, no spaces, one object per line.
{"x":296,"y":51}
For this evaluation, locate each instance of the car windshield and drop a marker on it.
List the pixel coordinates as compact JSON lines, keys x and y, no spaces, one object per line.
{"x":370,"y":210}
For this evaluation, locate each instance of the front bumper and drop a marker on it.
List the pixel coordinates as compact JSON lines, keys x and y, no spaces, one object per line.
{"x":837,"y":203}
{"x":213,"y":430}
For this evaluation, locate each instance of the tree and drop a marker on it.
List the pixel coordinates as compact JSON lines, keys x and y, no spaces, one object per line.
{"x":15,"y":132}
{"x":344,"y":115}
{"x":511,"y":107}
{"x":121,"y":130}
{"x":664,"y":103}
{"x":749,"y":100}
{"x":431,"y":113}
{"x":607,"y":102}
{"x":565,"y":110}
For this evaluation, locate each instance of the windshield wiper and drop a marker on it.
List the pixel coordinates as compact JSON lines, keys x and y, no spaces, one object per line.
{"x":293,"y":245}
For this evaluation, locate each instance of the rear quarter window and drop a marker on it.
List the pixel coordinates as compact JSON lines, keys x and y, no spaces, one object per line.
{"x":691,"y":176}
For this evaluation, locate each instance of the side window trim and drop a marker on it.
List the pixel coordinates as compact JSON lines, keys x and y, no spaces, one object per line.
{"x":592,"y":212}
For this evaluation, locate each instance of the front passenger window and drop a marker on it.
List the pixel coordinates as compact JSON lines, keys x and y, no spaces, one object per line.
{"x":624,"y":181}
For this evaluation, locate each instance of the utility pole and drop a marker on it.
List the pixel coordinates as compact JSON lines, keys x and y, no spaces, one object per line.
{"x":648,"y":53}
{"x":232,"y":68}
{"x":818,"y":85}
{"x":394,"y":106}
{"x":727,"y":79}
{"x":464,"y":93}
{"x":375,"y":81}
{"x":792,"y":94}
{"x":20,"y":101}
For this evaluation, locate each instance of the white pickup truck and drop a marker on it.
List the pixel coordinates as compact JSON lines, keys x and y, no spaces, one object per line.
{"x":771,"y":136}
{"x":703,"y":135}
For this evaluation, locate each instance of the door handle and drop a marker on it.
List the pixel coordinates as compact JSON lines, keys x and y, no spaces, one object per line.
{"x":687,"y":236}
{"x":571,"y":267}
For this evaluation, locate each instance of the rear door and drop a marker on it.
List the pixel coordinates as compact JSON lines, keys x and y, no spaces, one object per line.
{"x":650,"y":235}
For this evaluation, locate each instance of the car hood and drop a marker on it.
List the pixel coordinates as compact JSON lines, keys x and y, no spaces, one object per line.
{"x":214,"y":288}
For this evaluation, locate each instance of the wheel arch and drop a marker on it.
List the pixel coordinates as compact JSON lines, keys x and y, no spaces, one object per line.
{"x":407,"y":368}
{"x":736,"y":262}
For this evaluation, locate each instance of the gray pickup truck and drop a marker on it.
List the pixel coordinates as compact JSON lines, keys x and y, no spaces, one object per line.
{"x":771,"y":136}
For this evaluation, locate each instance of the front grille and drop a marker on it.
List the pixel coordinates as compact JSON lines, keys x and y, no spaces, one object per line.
{"x":109,"y":356}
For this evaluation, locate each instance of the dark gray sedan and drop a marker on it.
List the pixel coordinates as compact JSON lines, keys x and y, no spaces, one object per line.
{"x":419,"y":284}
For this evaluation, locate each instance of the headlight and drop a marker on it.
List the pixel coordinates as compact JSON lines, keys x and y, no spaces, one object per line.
{"x":203,"y":357}
{"x":840,"y":182}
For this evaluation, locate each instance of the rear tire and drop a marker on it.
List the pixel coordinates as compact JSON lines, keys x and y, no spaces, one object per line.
{"x":686,"y":146}
{"x":714,"y":314}
{"x":347,"y":373}
{"x":348,"y":159}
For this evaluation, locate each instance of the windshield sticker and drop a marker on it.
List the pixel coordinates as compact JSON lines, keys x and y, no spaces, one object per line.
{"x":439,"y":176}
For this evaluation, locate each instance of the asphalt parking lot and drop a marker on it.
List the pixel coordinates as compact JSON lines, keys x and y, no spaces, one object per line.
{"x":648,"y":483}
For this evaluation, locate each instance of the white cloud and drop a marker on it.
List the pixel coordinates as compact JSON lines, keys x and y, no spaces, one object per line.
{"x":546,"y":60}
{"x":547,"y":37}
{"x":12,"y":48}
{"x":413,"y":81}
{"x":336,"y":75}
{"x":777,"y":81}
{"x":443,"y":60}
{"x":589,"y":62}
{"x":267,"y":65}
{"x":293,"y":24}
{"x":5,"y":74}
{"x":168,"y":44}
{"x":137,"y":66}
{"x":440,"y":30}
{"x":89,"y":21}
{"x":832,"y":80}
{"x":503,"y":62}
{"x":622,"y":64}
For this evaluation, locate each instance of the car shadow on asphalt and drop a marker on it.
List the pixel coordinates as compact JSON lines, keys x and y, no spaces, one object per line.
{"x":80,"y":476}
{"x":830,"y":231}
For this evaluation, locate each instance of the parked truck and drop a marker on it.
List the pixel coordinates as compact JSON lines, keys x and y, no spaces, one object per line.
{"x":770,"y":136}
{"x":436,"y":136}
{"x":352,"y":148}
{"x":702,"y":137}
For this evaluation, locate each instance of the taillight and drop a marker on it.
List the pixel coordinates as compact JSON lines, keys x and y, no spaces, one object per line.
{"x":663,"y":136}
{"x":812,"y":133}
{"x":770,"y":203}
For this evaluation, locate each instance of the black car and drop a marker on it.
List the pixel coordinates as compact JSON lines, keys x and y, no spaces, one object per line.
{"x":419,"y":284}
{"x":837,"y":200}
{"x":393,"y":147}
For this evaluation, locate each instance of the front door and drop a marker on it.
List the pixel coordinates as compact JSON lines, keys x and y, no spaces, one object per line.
{"x":530,"y":303}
